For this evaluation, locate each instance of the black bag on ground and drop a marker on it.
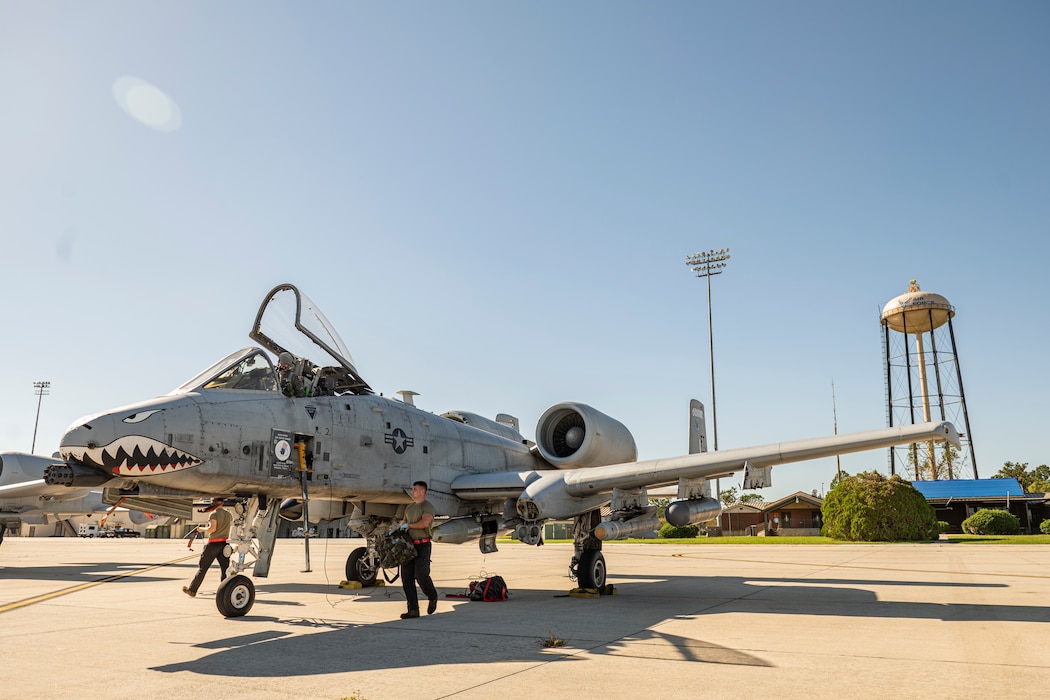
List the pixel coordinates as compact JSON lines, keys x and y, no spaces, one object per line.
{"x":395,"y":549}
{"x":489,"y":589}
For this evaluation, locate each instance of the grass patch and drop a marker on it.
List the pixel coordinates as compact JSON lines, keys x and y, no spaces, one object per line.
{"x":999,"y":539}
{"x":710,"y":540}
{"x":552,"y":641}
{"x":957,"y":539}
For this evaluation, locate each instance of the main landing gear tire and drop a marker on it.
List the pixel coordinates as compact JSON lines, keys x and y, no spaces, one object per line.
{"x":362,"y":568}
{"x":591,"y":569}
{"x":235,"y":596}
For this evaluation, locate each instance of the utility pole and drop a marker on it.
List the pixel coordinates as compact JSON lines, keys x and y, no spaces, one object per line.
{"x":41,"y":389}
{"x":835,"y":418}
{"x":707,"y":265}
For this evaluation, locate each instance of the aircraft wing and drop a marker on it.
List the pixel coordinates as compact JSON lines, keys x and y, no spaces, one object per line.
{"x":568,"y":492}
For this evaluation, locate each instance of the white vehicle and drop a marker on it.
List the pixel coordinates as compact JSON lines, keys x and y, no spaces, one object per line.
{"x":88,"y":530}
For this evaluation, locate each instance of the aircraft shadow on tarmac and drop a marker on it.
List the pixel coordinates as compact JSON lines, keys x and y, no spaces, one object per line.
{"x":90,"y":572}
{"x":515,"y":630}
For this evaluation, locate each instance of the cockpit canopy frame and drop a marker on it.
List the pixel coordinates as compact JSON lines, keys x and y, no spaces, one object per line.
{"x":277,"y":316}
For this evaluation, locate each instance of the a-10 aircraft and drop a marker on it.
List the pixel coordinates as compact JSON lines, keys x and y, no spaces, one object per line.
{"x":311,"y":438}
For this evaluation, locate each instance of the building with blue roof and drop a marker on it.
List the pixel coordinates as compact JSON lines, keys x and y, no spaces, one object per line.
{"x":955,"y":500}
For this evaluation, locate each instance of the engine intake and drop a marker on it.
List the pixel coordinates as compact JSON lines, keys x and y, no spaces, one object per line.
{"x":571,"y":435}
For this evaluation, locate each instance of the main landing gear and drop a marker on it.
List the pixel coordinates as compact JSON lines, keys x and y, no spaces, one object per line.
{"x":235,"y":596}
{"x":363,"y":566}
{"x":588,"y":563}
{"x":250,"y":545}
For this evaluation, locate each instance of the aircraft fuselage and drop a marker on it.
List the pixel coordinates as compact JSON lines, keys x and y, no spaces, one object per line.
{"x":228,"y":441}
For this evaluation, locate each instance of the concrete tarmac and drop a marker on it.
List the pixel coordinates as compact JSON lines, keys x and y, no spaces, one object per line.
{"x":108,"y":619}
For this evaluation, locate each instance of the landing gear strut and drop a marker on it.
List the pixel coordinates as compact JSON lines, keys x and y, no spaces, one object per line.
{"x":588,"y":564}
{"x":363,"y":566}
{"x":250,"y":545}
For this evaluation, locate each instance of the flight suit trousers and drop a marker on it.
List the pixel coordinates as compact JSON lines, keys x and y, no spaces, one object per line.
{"x":212,"y":551}
{"x":418,"y":569}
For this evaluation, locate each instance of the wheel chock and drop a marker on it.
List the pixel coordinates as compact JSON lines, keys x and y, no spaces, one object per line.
{"x":351,"y":584}
{"x":607,"y":589}
{"x":584,"y":593}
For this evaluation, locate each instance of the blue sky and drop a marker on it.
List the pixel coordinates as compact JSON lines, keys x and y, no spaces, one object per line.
{"x":493,"y":203}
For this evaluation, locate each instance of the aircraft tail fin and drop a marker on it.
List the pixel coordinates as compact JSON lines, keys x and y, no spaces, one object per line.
{"x":697,"y":427}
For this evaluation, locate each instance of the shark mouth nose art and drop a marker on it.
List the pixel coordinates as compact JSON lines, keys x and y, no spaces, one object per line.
{"x":135,"y":455}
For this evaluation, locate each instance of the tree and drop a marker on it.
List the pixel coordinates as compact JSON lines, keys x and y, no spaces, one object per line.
{"x":728,"y":497}
{"x":869,"y":507}
{"x":1040,"y":480}
{"x":913,"y":459}
{"x":661,"y":505}
{"x":1034,"y":481}
{"x":750,"y":497}
{"x":839,"y":476}
{"x":949,"y":456}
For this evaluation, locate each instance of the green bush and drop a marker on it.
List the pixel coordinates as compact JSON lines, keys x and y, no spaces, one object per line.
{"x":988,"y":521}
{"x":869,"y":507}
{"x":943,"y":526}
{"x":1044,"y":527}
{"x":670,"y":532}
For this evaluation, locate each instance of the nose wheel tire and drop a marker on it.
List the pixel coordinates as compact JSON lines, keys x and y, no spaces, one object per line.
{"x":361,"y":567}
{"x":591,"y":569}
{"x":235,"y":596}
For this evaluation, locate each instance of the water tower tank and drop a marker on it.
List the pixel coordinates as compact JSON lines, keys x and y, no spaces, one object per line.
{"x":916,"y":311}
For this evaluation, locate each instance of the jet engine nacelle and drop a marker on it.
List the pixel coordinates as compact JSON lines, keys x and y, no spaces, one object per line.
{"x":692,"y":511}
{"x":571,"y":435}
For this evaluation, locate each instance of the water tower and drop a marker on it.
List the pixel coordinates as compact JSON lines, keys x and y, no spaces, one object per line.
{"x":924,"y":383}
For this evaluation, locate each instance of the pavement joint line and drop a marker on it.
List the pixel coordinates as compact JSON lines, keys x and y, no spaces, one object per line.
{"x":90,"y":584}
{"x":555,"y":658}
{"x":686,"y":555}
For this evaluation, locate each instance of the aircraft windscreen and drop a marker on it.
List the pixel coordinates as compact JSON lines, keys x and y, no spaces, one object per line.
{"x":248,"y":368}
{"x":253,"y":373}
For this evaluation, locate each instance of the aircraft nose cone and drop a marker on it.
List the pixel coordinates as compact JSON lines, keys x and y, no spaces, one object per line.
{"x":77,"y":436}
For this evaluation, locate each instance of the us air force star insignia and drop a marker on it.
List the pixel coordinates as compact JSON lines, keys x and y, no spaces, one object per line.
{"x":282,"y":450}
{"x":399,"y":440}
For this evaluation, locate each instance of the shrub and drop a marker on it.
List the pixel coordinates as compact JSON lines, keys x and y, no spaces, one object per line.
{"x":869,"y":507}
{"x":1044,"y":527}
{"x":988,"y":521}
{"x":943,"y":526}
{"x":670,"y":532}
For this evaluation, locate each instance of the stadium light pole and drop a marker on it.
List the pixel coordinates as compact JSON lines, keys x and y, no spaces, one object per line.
{"x":41,"y":389}
{"x":707,"y":265}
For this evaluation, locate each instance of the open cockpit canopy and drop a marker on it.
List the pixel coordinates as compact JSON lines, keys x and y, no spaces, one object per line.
{"x":289,"y":322}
